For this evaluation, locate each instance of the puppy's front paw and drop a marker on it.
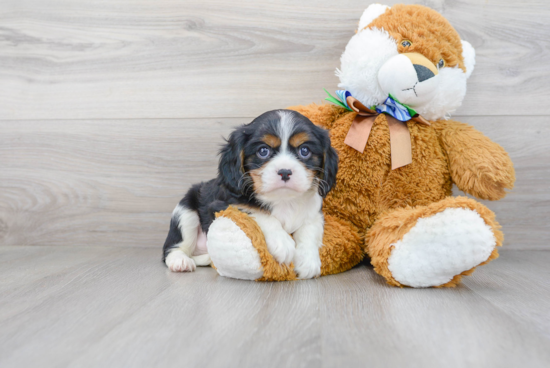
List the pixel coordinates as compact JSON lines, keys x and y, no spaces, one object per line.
{"x":307,"y":263}
{"x":177,"y":261}
{"x":281,"y":246}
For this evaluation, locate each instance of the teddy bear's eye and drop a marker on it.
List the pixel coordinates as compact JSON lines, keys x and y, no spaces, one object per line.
{"x":406,"y":43}
{"x":440,"y":64}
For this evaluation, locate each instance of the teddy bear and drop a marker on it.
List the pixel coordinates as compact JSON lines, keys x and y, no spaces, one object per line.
{"x":401,"y":76}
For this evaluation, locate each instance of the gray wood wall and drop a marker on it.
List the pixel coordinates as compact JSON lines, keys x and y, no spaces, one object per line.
{"x":109,"y":110}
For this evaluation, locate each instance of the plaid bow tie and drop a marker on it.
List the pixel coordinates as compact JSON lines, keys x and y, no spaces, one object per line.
{"x":396,"y":115}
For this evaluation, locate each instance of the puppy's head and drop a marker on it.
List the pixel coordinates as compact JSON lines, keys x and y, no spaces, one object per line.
{"x":280,"y":155}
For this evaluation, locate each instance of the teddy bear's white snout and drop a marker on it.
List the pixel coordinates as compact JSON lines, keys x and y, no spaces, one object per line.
{"x":410,"y":78}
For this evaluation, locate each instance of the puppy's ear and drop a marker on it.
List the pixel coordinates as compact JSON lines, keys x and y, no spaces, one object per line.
{"x":330,"y":169}
{"x":231,"y":166}
{"x":330,"y":161}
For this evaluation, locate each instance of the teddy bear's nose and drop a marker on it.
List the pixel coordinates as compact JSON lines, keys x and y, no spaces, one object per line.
{"x":424,"y":68}
{"x":423,"y":73}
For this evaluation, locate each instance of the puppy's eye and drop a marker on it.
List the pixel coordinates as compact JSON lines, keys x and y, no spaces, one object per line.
{"x":263,"y":152}
{"x":406,"y":43}
{"x":304,"y":152}
{"x":440,"y":64}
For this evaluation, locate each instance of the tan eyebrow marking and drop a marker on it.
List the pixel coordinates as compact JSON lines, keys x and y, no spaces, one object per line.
{"x":298,"y":139}
{"x":271,"y":140}
{"x":242,"y":161}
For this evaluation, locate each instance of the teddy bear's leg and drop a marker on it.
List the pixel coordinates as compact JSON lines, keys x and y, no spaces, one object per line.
{"x":237,"y":248}
{"x":433,"y":245}
{"x":342,"y":246}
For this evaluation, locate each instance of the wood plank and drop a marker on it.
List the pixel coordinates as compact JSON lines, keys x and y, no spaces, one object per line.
{"x":183,"y":59}
{"x":210,"y":321}
{"x":33,"y":274}
{"x":63,"y":312}
{"x":526,"y":276}
{"x":368,"y":323}
{"x":203,"y":319}
{"x":98,"y":182}
{"x":101,"y":182}
{"x":126,"y":309}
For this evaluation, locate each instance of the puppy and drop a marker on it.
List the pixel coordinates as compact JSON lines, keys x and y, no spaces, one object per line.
{"x":278,"y":169}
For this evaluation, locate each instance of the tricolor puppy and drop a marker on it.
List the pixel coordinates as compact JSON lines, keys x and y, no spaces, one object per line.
{"x":277,"y":169}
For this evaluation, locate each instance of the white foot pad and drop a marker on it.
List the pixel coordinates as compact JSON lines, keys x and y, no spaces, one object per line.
{"x":440,"y":247}
{"x":281,"y":246}
{"x":307,"y":263}
{"x":177,"y":261}
{"x":232,"y":251}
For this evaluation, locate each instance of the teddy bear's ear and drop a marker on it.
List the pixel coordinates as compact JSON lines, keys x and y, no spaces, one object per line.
{"x":370,"y":14}
{"x":469,"y":55}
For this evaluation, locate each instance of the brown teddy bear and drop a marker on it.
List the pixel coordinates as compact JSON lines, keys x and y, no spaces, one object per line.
{"x":403,"y":73}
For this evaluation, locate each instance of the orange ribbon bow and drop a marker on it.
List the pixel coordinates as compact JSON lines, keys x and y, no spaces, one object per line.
{"x":400,"y":137}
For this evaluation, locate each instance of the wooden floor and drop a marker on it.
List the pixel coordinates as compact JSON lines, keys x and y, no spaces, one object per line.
{"x":110,"y":110}
{"x":120,"y":307}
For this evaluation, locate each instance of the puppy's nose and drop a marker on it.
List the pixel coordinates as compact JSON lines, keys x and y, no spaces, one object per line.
{"x":285,"y":174}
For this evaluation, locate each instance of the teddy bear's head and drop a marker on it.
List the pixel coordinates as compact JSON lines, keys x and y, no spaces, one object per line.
{"x":410,"y":52}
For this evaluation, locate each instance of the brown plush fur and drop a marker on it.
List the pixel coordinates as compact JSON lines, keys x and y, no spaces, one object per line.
{"x":443,"y":153}
{"x":372,"y":206}
{"x":479,"y":166}
{"x":345,"y":246}
{"x":366,"y":185}
{"x":429,"y":32}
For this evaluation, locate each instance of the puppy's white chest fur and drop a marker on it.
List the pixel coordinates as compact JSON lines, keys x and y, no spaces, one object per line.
{"x":300,"y":216}
{"x":294,"y":213}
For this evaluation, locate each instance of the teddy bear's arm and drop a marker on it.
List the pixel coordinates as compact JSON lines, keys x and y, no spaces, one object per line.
{"x":478,"y":166}
{"x":323,"y":115}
